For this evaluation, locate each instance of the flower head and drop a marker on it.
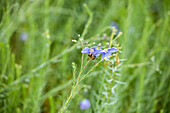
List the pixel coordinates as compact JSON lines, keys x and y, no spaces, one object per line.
{"x":85,"y":104}
{"x":23,"y":36}
{"x":95,"y":51}
{"x":115,"y":25}
{"x":106,"y":53}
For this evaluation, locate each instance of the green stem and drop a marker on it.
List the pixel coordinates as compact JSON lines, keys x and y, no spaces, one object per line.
{"x":88,"y":22}
{"x":81,"y":73}
{"x":110,"y":85}
{"x":82,"y":55}
{"x":73,"y":89}
{"x":90,"y":71}
{"x":81,"y":70}
{"x":100,"y":92}
{"x":113,"y":31}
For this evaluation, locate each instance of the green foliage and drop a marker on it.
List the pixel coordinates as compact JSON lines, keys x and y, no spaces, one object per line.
{"x":38,"y":73}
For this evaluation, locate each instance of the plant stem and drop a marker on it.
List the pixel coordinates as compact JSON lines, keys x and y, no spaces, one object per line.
{"x":111,"y":37}
{"x":80,"y":74}
{"x":90,"y":71}
{"x":89,"y":20}
{"x":73,"y":89}
{"x":82,"y":55}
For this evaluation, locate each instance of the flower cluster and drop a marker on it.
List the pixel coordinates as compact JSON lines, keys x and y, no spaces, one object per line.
{"x":96,"y":51}
{"x":115,"y":25}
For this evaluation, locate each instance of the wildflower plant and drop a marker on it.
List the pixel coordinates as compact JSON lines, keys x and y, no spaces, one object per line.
{"x":38,"y":43}
{"x":108,"y":55}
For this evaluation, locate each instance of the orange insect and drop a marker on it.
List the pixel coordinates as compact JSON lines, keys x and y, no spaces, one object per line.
{"x":91,"y":56}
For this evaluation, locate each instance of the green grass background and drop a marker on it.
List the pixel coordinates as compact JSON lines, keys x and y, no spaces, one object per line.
{"x":36,"y":74}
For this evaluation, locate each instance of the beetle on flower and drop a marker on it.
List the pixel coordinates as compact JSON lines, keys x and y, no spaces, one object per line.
{"x":93,"y":52}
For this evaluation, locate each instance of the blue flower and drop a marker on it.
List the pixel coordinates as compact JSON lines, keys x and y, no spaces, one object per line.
{"x":23,"y":36}
{"x":85,"y":104}
{"x":107,"y":53}
{"x":95,"y":51}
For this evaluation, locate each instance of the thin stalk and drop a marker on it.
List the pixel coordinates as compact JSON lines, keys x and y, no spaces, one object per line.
{"x":100,"y":92}
{"x":111,"y":37}
{"x":81,"y":73}
{"x":73,"y":89}
{"x":90,"y":71}
{"x":89,"y":20}
{"x":82,"y":55}
{"x":108,"y":100}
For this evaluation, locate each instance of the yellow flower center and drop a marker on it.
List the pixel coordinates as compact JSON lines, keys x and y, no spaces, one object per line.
{"x":105,"y":50}
{"x":91,"y":50}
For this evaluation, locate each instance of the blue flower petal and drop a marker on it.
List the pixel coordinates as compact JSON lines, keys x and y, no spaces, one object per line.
{"x":103,"y":55}
{"x":94,"y":47}
{"x":107,"y":56}
{"x":97,"y":52}
{"x":107,"y":53}
{"x":113,"y":49}
{"x":85,"y":50}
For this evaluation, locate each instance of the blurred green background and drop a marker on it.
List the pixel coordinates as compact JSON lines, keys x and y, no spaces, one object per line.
{"x":36,"y":54}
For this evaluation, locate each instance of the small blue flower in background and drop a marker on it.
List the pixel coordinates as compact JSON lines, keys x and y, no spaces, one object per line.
{"x":93,"y":50}
{"x":23,"y":36}
{"x":85,"y":104}
{"x":114,"y":24}
{"x":108,"y":52}
{"x":104,"y":36}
